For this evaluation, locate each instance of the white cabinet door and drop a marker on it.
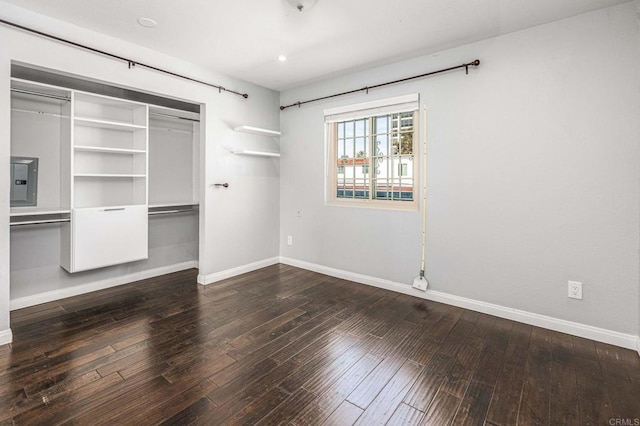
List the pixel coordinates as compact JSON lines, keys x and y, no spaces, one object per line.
{"x":105,"y":236}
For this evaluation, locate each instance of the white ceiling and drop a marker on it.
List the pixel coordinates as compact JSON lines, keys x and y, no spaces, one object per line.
{"x":243,"y":38}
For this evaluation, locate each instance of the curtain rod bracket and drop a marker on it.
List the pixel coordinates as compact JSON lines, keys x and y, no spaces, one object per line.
{"x":474,"y":63}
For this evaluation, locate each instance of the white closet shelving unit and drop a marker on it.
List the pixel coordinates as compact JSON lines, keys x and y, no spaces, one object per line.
{"x":117,"y":182}
{"x":260,"y":132}
{"x":109,"y":183}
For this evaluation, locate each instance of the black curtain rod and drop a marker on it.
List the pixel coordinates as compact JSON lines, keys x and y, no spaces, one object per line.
{"x":367,"y":88}
{"x":130,"y":62}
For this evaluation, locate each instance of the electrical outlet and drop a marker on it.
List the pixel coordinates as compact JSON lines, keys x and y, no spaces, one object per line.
{"x":575,"y":290}
{"x":289,"y":240}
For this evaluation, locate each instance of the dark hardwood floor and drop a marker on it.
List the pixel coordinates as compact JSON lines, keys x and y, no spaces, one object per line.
{"x":286,"y":346}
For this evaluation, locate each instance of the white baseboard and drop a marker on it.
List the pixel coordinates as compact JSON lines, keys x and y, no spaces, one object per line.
{"x":6,"y":337}
{"x":229,"y":273}
{"x":352,"y":276}
{"x":50,"y":296}
{"x":556,"y":324}
{"x":581,"y":330}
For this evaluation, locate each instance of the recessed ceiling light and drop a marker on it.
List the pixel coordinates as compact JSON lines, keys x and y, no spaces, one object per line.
{"x":147,"y":22}
{"x":301,"y":4}
{"x":282,"y":58}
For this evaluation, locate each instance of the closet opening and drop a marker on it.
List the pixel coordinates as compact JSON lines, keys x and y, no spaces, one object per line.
{"x":118,"y":185}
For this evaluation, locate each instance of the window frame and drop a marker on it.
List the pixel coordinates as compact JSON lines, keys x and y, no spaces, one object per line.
{"x":370,"y":109}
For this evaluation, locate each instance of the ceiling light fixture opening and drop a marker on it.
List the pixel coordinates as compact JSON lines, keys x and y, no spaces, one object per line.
{"x":147,"y":22}
{"x":301,"y":4}
{"x":282,"y":58}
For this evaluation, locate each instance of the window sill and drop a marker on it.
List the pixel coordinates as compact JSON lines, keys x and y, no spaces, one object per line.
{"x":407,"y":206}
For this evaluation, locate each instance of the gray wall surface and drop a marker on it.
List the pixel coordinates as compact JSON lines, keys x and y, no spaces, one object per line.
{"x":533,"y":173}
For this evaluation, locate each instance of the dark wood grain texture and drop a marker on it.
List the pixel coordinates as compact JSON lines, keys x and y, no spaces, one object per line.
{"x":287,"y":346}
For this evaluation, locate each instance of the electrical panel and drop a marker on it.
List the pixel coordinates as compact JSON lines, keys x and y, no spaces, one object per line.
{"x":24,"y":181}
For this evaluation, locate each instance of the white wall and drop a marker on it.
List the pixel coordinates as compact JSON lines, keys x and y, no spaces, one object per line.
{"x":533,"y":173}
{"x":230,"y":235}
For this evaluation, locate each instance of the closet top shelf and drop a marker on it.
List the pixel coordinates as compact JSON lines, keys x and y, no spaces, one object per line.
{"x":257,"y":131}
{"x":30,"y":87}
{"x":98,"y":99}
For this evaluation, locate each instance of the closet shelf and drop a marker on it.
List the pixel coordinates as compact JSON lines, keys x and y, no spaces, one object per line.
{"x":109,"y":150}
{"x":257,"y":131}
{"x":110,"y":175}
{"x":46,"y":90}
{"x":37,"y":212}
{"x":107,"y":124}
{"x":256,"y":153}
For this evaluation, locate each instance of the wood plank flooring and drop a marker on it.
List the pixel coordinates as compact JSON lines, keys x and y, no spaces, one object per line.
{"x":287,"y":346}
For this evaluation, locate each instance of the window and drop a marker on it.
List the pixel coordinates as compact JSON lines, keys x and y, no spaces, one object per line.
{"x":372,"y":154}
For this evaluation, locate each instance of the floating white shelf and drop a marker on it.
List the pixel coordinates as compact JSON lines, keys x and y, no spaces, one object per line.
{"x":107,"y":124}
{"x":108,"y":150}
{"x":256,"y":153}
{"x":110,"y":175}
{"x":257,"y":131}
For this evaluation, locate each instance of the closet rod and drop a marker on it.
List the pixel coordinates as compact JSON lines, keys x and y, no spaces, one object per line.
{"x":375,"y":86}
{"x":46,"y":95}
{"x":49,"y":114}
{"x":173,"y":116}
{"x":172,"y":211}
{"x":39,"y":222}
{"x":130,"y":62}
